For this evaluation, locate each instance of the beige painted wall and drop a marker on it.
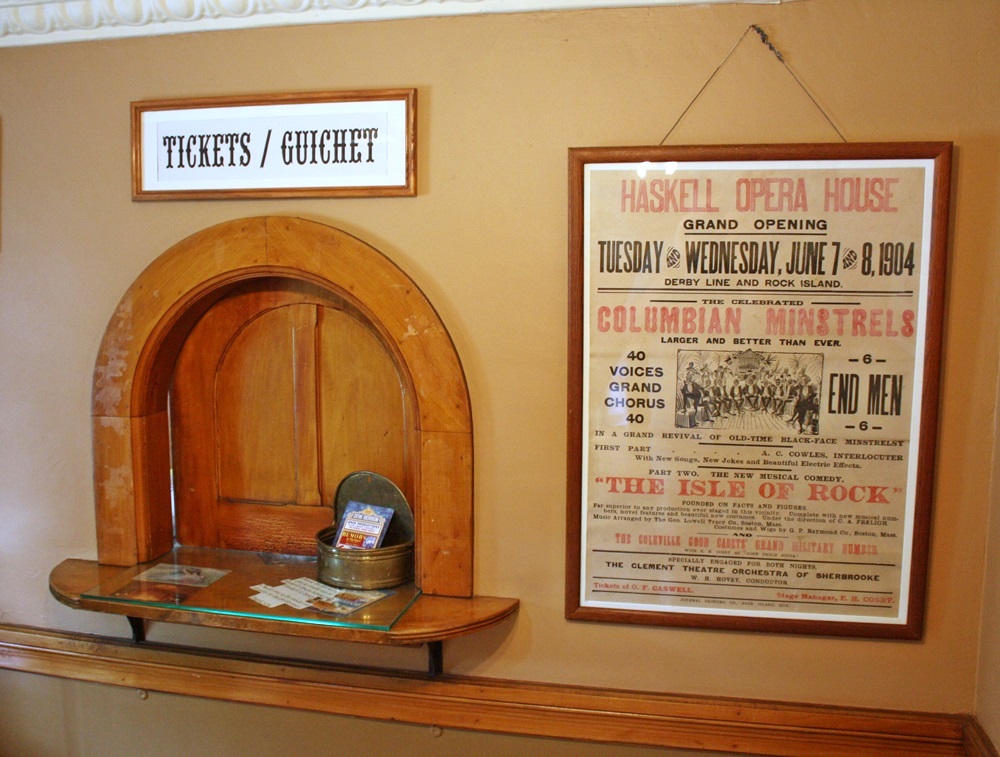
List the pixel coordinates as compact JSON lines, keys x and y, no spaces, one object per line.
{"x":500,"y":100}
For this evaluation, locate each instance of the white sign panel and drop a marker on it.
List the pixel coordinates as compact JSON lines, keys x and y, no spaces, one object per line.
{"x":321,"y":145}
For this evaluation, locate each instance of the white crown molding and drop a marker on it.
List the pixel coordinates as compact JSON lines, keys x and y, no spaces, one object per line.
{"x":42,"y":22}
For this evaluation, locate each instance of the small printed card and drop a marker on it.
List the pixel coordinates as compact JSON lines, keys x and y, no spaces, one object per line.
{"x":302,"y":593}
{"x":362,"y":526}
{"x":182,"y":575}
{"x":168,"y":583}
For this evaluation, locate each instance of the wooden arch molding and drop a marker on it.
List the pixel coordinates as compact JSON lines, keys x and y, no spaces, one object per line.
{"x":134,"y":367}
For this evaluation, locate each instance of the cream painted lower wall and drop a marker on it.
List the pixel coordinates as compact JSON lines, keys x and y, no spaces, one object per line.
{"x":987,"y":705}
{"x":501,"y":98}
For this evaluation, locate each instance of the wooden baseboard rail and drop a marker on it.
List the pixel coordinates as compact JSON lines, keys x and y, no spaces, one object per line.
{"x":482,"y":704}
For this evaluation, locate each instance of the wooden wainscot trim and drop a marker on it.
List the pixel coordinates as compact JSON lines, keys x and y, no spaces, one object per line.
{"x":977,"y":743}
{"x":537,"y":709}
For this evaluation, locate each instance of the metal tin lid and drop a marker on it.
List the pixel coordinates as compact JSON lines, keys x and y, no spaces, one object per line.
{"x":375,"y":489}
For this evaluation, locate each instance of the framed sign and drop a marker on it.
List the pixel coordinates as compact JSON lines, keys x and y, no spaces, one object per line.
{"x":755,"y":337}
{"x":329,"y":144}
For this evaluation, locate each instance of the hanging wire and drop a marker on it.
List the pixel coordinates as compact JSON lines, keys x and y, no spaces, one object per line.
{"x":765,"y":40}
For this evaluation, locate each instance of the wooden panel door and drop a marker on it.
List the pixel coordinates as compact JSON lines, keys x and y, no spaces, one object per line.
{"x":279,"y":392}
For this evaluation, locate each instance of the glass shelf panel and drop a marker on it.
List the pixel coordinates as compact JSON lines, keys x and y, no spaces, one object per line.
{"x":221,"y":582}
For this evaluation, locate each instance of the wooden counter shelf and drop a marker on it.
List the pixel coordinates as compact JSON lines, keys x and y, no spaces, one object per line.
{"x":407,"y":618}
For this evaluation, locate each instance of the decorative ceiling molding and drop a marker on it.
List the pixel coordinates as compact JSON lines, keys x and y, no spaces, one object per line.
{"x":44,"y":22}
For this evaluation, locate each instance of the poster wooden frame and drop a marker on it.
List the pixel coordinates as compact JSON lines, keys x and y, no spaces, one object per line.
{"x":926,"y":405}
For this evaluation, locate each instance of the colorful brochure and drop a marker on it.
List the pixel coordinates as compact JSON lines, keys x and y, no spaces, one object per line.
{"x":362,"y":526}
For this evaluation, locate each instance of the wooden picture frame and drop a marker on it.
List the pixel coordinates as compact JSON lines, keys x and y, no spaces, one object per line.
{"x":323,"y":144}
{"x":754,"y":357}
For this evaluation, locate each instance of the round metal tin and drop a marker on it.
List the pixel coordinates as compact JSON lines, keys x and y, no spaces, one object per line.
{"x":383,"y":567}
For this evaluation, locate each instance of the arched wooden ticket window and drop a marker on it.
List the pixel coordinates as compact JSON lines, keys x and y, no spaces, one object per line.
{"x":321,"y":356}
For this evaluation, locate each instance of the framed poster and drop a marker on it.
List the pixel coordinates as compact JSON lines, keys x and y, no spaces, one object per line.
{"x":754,"y":347}
{"x":323,"y":144}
